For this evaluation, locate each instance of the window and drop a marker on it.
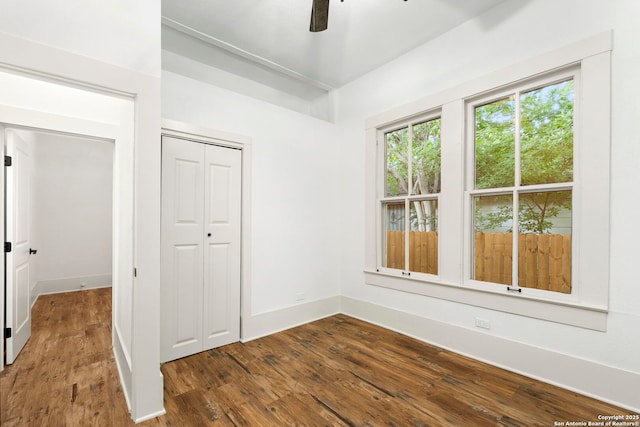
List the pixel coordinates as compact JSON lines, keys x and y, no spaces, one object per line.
{"x":410,"y":202}
{"x":522,"y":144}
{"x":483,"y":194}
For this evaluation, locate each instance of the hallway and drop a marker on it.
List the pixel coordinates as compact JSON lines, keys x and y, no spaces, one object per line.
{"x":66,"y":374}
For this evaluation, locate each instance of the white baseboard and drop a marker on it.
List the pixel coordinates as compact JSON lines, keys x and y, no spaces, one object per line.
{"x":70,"y":284}
{"x":123,"y":366}
{"x":268,"y":323}
{"x":150,"y":416}
{"x":605,"y":383}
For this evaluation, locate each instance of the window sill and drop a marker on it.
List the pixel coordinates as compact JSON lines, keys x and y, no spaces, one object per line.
{"x":575,"y":314}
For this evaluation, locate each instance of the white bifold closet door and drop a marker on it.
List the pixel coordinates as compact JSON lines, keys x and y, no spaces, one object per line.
{"x":201,"y":212}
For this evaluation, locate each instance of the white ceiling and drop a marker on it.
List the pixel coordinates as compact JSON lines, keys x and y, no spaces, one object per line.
{"x":275,"y":36}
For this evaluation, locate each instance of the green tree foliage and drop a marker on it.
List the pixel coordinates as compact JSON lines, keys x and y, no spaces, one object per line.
{"x":495,"y":144}
{"x":397,"y":180}
{"x":426,"y":157}
{"x":424,"y":167}
{"x":425,"y":160}
{"x":546,"y":154}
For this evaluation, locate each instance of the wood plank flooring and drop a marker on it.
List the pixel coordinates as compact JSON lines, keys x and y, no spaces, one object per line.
{"x":337,"y":371}
{"x":66,"y":373}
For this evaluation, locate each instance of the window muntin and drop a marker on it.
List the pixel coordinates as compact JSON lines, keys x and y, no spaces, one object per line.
{"x":523,"y":145}
{"x":412,"y":184}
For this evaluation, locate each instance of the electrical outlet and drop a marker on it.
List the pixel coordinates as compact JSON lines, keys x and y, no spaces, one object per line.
{"x":299,"y":296}
{"x":483,"y":323}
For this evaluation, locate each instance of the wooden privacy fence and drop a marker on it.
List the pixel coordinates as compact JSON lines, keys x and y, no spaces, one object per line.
{"x":544,"y":260}
{"x":423,"y":251}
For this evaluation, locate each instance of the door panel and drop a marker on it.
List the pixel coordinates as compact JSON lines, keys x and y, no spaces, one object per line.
{"x":219,"y":322}
{"x":222,"y":265}
{"x":181,"y":248}
{"x":18,"y":269}
{"x":219,"y":181}
{"x":186,"y":295}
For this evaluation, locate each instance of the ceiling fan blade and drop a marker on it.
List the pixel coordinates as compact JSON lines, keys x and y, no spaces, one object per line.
{"x":319,"y":15}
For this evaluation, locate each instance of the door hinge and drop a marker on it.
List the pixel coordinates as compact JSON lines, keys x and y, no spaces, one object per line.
{"x":7,"y":161}
{"x":135,"y":272}
{"x":7,"y":332}
{"x":7,"y":246}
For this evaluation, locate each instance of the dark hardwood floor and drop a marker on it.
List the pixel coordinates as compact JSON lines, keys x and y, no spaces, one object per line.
{"x":337,"y":371}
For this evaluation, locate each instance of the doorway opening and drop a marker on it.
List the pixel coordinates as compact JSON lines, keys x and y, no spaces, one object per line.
{"x":30,"y":103}
{"x":58,"y":216}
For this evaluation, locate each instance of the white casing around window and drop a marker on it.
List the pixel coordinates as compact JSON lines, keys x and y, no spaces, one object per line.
{"x":587,"y":306}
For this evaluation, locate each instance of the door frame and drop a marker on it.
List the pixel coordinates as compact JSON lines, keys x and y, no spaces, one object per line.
{"x":205,"y":135}
{"x":142,"y":380}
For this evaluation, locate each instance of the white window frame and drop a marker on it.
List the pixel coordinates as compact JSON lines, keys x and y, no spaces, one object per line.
{"x":407,"y":199}
{"x":569,"y":73}
{"x":587,"y":305}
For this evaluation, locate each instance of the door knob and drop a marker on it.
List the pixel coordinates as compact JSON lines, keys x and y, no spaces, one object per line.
{"x":208,"y":234}
{"x":33,"y":251}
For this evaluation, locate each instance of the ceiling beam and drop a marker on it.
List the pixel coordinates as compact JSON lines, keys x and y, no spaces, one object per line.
{"x":243,"y":53}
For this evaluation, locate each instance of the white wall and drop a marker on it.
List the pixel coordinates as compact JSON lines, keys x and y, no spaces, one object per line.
{"x":294,"y":187}
{"x":72,"y":191}
{"x":121,"y":32}
{"x":507,"y":34}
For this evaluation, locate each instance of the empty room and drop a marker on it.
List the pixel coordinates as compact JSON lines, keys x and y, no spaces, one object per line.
{"x":326,"y":212}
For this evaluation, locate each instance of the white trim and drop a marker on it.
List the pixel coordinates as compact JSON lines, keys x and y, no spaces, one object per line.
{"x":150,"y":416}
{"x":568,"y":372}
{"x":124,"y":367}
{"x":574,"y":53}
{"x":494,"y":297}
{"x":235,"y":50}
{"x":271,"y":322}
{"x":70,"y":284}
{"x":587,"y":306}
{"x":184,"y":130}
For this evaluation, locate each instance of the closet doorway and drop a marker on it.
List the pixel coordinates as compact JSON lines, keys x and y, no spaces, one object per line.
{"x":200,"y":245}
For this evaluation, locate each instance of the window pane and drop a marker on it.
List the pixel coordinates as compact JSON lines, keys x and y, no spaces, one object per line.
{"x":493,"y":242}
{"x":396,"y":149}
{"x":544,"y":242}
{"x":494,"y":144}
{"x":423,"y":237}
{"x":547,"y":134}
{"x":393,"y":215}
{"x":426,"y":157}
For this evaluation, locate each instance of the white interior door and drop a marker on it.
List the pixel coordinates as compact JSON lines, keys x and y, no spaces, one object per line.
{"x":181,"y":248}
{"x":18,"y":282}
{"x":223,"y":188}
